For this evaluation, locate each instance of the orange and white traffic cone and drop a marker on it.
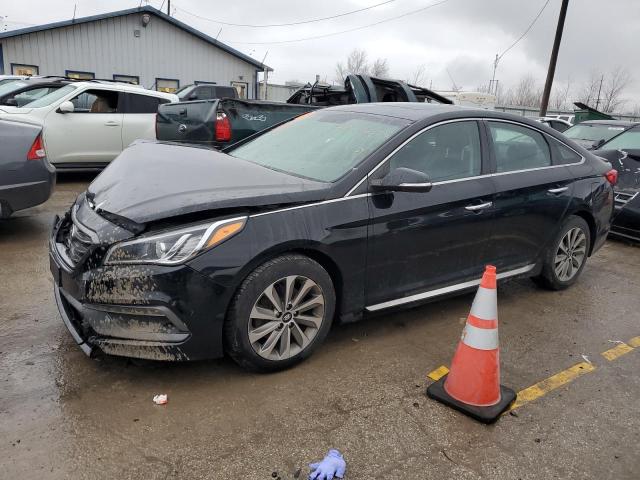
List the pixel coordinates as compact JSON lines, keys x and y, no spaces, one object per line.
{"x":472,"y":385}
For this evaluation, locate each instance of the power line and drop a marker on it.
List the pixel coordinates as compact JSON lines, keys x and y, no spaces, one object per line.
{"x":283,"y":24}
{"x":525,"y":32}
{"x":342,"y":31}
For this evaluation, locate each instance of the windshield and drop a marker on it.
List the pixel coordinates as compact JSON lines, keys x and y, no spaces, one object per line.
{"x":185,"y":91}
{"x":628,"y":140}
{"x":593,"y":132}
{"x":11,"y":86}
{"x":322,"y":145}
{"x":7,"y":80}
{"x":51,"y":97}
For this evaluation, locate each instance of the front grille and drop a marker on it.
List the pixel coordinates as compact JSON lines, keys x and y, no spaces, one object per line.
{"x":78,"y":244}
{"x":74,"y":245}
{"x":622,"y":199}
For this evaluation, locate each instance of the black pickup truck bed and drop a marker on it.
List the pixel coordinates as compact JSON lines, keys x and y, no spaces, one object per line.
{"x":222,"y":122}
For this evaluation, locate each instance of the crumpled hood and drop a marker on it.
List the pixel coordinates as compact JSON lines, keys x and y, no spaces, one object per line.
{"x":153,"y":180}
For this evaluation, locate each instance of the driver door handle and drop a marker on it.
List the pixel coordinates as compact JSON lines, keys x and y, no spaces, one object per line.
{"x":112,"y":123}
{"x":558,"y":190}
{"x":475,"y":208}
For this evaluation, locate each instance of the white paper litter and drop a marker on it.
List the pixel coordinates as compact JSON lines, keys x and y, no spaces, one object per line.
{"x":160,"y":399}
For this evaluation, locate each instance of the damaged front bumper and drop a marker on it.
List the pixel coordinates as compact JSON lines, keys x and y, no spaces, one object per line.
{"x":152,"y":312}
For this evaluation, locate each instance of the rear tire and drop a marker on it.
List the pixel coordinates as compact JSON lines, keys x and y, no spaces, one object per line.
{"x":280,"y":314}
{"x":566,"y":256}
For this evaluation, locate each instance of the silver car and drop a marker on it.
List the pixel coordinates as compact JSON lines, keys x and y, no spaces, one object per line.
{"x":26,"y":176}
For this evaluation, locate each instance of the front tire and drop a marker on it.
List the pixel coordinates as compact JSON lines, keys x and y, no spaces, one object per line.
{"x":281,"y":313}
{"x":567,"y":255}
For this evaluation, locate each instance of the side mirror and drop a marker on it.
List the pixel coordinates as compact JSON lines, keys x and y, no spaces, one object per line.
{"x":66,"y":107}
{"x":402,"y":180}
{"x":193,"y":96}
{"x":11,"y":102}
{"x":598,"y":144}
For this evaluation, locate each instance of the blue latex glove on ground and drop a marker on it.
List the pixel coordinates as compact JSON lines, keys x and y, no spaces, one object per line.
{"x":332,"y":465}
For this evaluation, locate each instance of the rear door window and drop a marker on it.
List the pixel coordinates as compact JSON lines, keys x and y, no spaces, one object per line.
{"x":518,"y":148}
{"x":135,"y":103}
{"x":446,"y":152}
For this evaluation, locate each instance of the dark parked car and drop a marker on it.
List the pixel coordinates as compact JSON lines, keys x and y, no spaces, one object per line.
{"x":592,"y":134}
{"x":182,"y":252}
{"x":623,"y":152}
{"x":27,"y":178}
{"x":20,"y":92}
{"x":205,"y":91}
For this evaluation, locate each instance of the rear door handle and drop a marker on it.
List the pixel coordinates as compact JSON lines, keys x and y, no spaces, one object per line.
{"x":558,"y":190}
{"x":475,"y":208}
{"x":112,"y":124}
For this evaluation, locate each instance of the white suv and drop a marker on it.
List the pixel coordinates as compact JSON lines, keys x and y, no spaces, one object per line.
{"x":87,"y":124}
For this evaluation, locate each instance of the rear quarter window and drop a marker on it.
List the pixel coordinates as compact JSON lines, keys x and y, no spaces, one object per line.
{"x":563,"y":154}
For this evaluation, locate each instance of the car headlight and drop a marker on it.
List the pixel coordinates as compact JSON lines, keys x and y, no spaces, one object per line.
{"x":175,"y":246}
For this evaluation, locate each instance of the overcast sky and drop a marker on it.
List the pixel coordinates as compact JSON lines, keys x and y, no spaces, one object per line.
{"x":457,"y":39}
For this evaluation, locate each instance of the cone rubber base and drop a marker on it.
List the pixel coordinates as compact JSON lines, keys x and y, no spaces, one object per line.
{"x":482,"y":414}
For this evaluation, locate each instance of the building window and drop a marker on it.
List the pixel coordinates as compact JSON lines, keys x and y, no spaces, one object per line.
{"x":80,"y":75}
{"x":132,"y":79}
{"x":167,"y":85}
{"x":22,"y":69}
{"x":242,"y":88}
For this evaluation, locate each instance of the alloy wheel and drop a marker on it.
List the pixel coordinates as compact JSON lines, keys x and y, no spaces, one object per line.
{"x":571,"y":254}
{"x":286,"y":317}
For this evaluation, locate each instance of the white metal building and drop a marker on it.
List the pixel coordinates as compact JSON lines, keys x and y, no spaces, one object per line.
{"x":279,"y":93}
{"x":141,"y":45}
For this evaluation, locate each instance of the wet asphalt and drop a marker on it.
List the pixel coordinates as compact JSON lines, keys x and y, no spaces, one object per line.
{"x":65,"y":416}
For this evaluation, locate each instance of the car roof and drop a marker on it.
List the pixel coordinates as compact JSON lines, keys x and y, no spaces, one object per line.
{"x":417,"y":111}
{"x":127,"y":87}
{"x":619,"y":123}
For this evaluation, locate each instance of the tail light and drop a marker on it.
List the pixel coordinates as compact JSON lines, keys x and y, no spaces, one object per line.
{"x":36,"y":152}
{"x":612,"y":176}
{"x":222,"y":127}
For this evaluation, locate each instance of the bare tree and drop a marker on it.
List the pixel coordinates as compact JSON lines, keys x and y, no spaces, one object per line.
{"x":418,"y":77}
{"x":560,"y":96}
{"x":616,"y":81}
{"x":525,"y":94}
{"x":589,"y":91}
{"x":380,"y":68}
{"x":358,"y":63}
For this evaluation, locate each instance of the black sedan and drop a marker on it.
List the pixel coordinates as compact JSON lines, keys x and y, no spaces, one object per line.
{"x":178,"y":252}
{"x":623,"y":152}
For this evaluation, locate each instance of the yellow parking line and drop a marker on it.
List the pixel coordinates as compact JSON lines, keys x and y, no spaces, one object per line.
{"x":635,"y":342}
{"x":545,"y":386}
{"x":616,"y":351}
{"x":438,"y":373}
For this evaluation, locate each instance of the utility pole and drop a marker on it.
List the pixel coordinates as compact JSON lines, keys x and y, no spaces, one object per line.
{"x":554,"y":59}
{"x":492,"y":83}
{"x":599,"y":90}
{"x":266,"y":76}
{"x":169,"y":7}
